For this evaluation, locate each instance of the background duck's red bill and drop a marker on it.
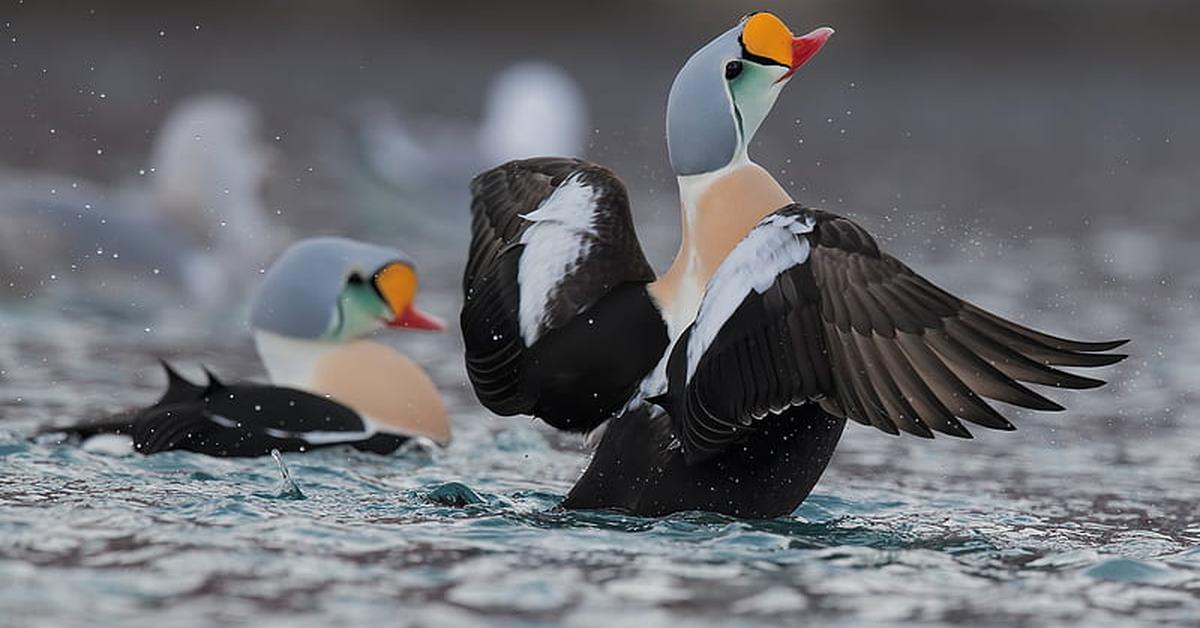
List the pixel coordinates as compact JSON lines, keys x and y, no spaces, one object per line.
{"x":414,"y":318}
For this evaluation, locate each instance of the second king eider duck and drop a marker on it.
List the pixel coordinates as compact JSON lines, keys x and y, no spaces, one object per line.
{"x":329,"y":386}
{"x":724,"y":384}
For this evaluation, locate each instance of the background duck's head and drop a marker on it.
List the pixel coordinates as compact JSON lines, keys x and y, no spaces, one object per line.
{"x":725,"y":90}
{"x":336,"y":289}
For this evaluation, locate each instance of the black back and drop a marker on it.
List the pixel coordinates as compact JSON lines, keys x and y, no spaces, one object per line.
{"x":242,"y":420}
{"x":239,"y":420}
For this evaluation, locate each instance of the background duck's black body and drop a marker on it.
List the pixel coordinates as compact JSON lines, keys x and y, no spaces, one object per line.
{"x":637,"y":469}
{"x":238,"y":420}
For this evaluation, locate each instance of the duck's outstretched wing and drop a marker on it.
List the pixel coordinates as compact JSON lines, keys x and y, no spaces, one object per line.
{"x":807,"y":309}
{"x":556,"y":319}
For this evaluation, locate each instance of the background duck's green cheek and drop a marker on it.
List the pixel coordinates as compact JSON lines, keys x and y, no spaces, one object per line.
{"x":359,"y":312}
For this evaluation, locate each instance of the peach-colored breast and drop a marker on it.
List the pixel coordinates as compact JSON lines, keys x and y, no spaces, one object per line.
{"x":725,"y":212}
{"x":380,"y":382}
{"x":729,"y":209}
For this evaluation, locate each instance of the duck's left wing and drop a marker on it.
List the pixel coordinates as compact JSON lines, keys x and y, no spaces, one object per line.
{"x":556,"y":318}
{"x":808,"y":309}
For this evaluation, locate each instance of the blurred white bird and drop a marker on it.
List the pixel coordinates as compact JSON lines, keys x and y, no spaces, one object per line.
{"x":188,"y":231}
{"x":406,"y":181}
{"x":532,"y":109}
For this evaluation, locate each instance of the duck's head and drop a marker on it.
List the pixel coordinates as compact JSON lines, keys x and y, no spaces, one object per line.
{"x":336,"y":289}
{"x":725,"y":90}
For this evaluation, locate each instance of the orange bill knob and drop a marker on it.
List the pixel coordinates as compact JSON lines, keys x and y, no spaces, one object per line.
{"x":766,"y":36}
{"x":397,"y":283}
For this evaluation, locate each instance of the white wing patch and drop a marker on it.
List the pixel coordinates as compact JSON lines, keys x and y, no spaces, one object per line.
{"x":312,"y":437}
{"x":555,"y":244}
{"x":768,"y":250}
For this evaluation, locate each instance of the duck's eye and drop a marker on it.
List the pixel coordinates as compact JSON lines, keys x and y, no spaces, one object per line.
{"x":733,"y":69}
{"x":355,"y":279}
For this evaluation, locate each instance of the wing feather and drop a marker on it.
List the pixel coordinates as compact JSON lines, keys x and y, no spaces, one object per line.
{"x":857,"y":331}
{"x":553,"y":239}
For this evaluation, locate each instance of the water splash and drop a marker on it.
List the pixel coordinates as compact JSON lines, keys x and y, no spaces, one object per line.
{"x":454,"y":494}
{"x":287,"y":488}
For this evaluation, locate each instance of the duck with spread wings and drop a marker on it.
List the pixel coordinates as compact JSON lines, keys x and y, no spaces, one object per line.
{"x":724,"y":384}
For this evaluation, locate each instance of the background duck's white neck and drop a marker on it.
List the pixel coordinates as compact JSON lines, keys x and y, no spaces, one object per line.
{"x":291,"y":361}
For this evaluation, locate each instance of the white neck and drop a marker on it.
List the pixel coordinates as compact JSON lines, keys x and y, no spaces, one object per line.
{"x":678,"y":292}
{"x":291,"y":361}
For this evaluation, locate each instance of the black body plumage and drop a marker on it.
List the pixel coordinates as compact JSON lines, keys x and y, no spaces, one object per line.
{"x":639,"y":468}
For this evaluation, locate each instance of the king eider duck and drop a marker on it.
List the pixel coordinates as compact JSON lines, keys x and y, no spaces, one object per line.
{"x":328,"y":385}
{"x":724,"y":384}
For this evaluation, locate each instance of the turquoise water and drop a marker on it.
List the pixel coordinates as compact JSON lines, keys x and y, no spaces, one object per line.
{"x":1082,"y":518}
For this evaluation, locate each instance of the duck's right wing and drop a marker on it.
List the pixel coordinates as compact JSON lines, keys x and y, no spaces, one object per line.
{"x":556,"y":319}
{"x":807,"y":309}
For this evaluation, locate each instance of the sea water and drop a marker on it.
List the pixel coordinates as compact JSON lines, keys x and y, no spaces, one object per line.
{"x":1085,"y":517}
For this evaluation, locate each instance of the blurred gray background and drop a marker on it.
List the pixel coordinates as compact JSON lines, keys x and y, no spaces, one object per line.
{"x":1035,"y":151}
{"x":1042,"y":113}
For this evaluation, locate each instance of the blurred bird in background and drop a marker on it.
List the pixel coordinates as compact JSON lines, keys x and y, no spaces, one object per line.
{"x":407,"y":174}
{"x":187,"y":236}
